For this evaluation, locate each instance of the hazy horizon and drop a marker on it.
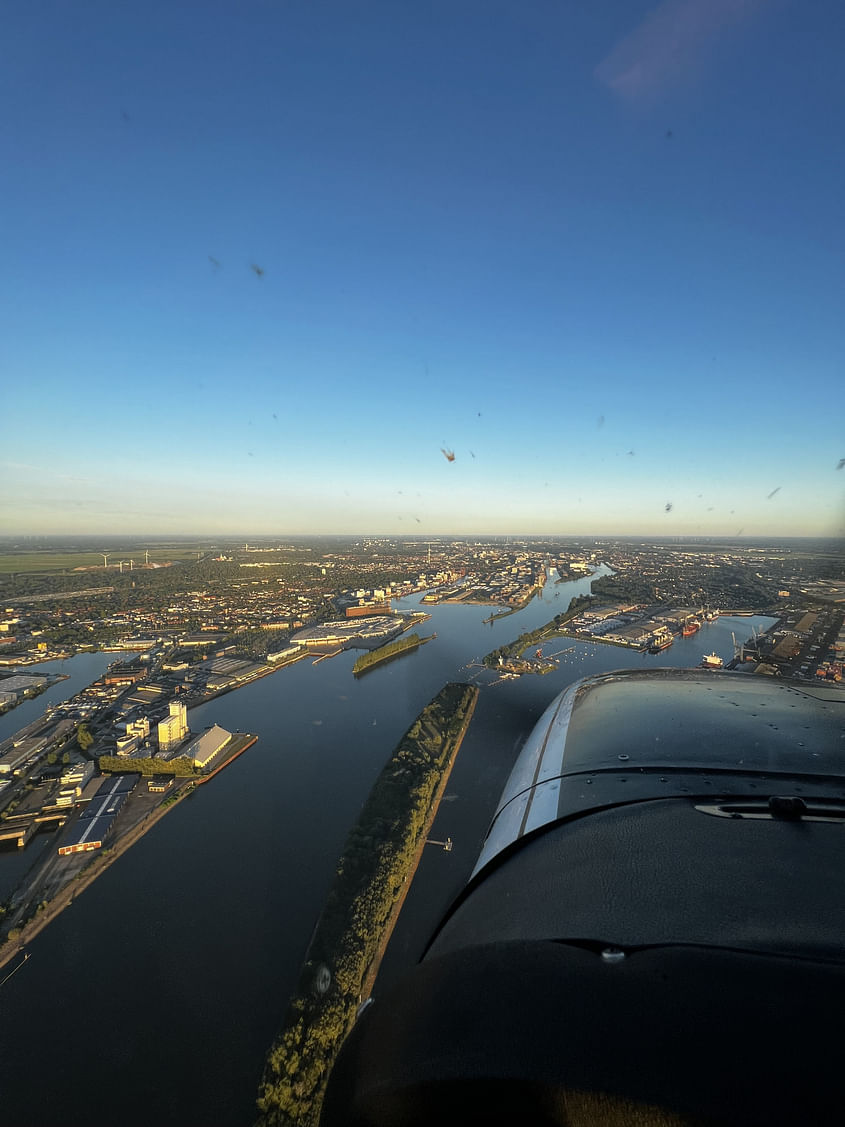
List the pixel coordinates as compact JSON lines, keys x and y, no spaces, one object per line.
{"x":254,"y":539}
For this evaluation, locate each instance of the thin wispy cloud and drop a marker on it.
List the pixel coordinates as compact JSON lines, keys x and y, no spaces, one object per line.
{"x":671,"y":42}
{"x":43,"y":473}
{"x":25,"y":467}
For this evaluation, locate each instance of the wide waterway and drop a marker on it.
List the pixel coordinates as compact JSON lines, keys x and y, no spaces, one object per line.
{"x":160,"y":989}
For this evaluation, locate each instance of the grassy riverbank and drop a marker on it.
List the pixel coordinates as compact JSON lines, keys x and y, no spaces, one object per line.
{"x":378,"y":861}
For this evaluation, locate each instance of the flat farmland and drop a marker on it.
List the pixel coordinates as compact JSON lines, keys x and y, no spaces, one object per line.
{"x":19,"y":562}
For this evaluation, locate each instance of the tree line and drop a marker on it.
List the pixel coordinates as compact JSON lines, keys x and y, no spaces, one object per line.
{"x":148,"y":765}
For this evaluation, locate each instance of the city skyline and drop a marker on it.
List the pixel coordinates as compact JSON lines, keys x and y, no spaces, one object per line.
{"x":473,"y":270}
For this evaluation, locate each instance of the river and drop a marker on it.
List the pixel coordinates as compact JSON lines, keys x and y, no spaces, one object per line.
{"x":163,"y":985}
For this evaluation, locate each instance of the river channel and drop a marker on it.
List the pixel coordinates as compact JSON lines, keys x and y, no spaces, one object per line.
{"x":155,"y":995}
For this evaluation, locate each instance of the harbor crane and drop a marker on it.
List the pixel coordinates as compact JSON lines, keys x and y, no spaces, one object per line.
{"x":738,"y":647}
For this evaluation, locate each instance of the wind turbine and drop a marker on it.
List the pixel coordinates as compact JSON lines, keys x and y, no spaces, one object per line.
{"x":105,"y":556}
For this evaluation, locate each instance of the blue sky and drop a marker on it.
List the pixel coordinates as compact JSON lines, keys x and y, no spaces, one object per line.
{"x":537,"y":235}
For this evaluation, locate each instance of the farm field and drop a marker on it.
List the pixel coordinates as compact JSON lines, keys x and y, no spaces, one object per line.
{"x":17,"y":563}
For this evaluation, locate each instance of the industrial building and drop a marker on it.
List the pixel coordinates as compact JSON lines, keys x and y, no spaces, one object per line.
{"x":97,"y":822}
{"x":351,"y":631}
{"x":116,"y":784}
{"x":364,"y":610}
{"x":72,"y":782}
{"x":85,"y":835}
{"x":108,"y":806}
{"x":206,"y":639}
{"x":139,"y":727}
{"x":203,"y":749}
{"x":125,"y":745}
{"x":13,"y":759}
{"x":18,"y":684}
{"x":281,"y":655}
{"x":136,"y":732}
{"x":147,"y":695}
{"x":126,"y":673}
{"x":174,"y":727}
{"x":78,"y":774}
{"x":227,"y":672}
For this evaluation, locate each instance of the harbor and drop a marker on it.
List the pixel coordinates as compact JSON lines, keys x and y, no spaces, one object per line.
{"x":323,"y":737}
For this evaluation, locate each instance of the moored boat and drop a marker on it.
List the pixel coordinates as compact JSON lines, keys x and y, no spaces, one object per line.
{"x":661,"y":640}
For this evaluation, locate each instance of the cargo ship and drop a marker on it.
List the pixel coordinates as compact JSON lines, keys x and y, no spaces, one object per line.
{"x":712,"y":661}
{"x":691,"y":626}
{"x":661,"y":640}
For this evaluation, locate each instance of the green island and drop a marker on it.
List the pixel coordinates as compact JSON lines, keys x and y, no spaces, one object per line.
{"x":378,"y":862}
{"x":510,"y":653}
{"x":391,"y":649}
